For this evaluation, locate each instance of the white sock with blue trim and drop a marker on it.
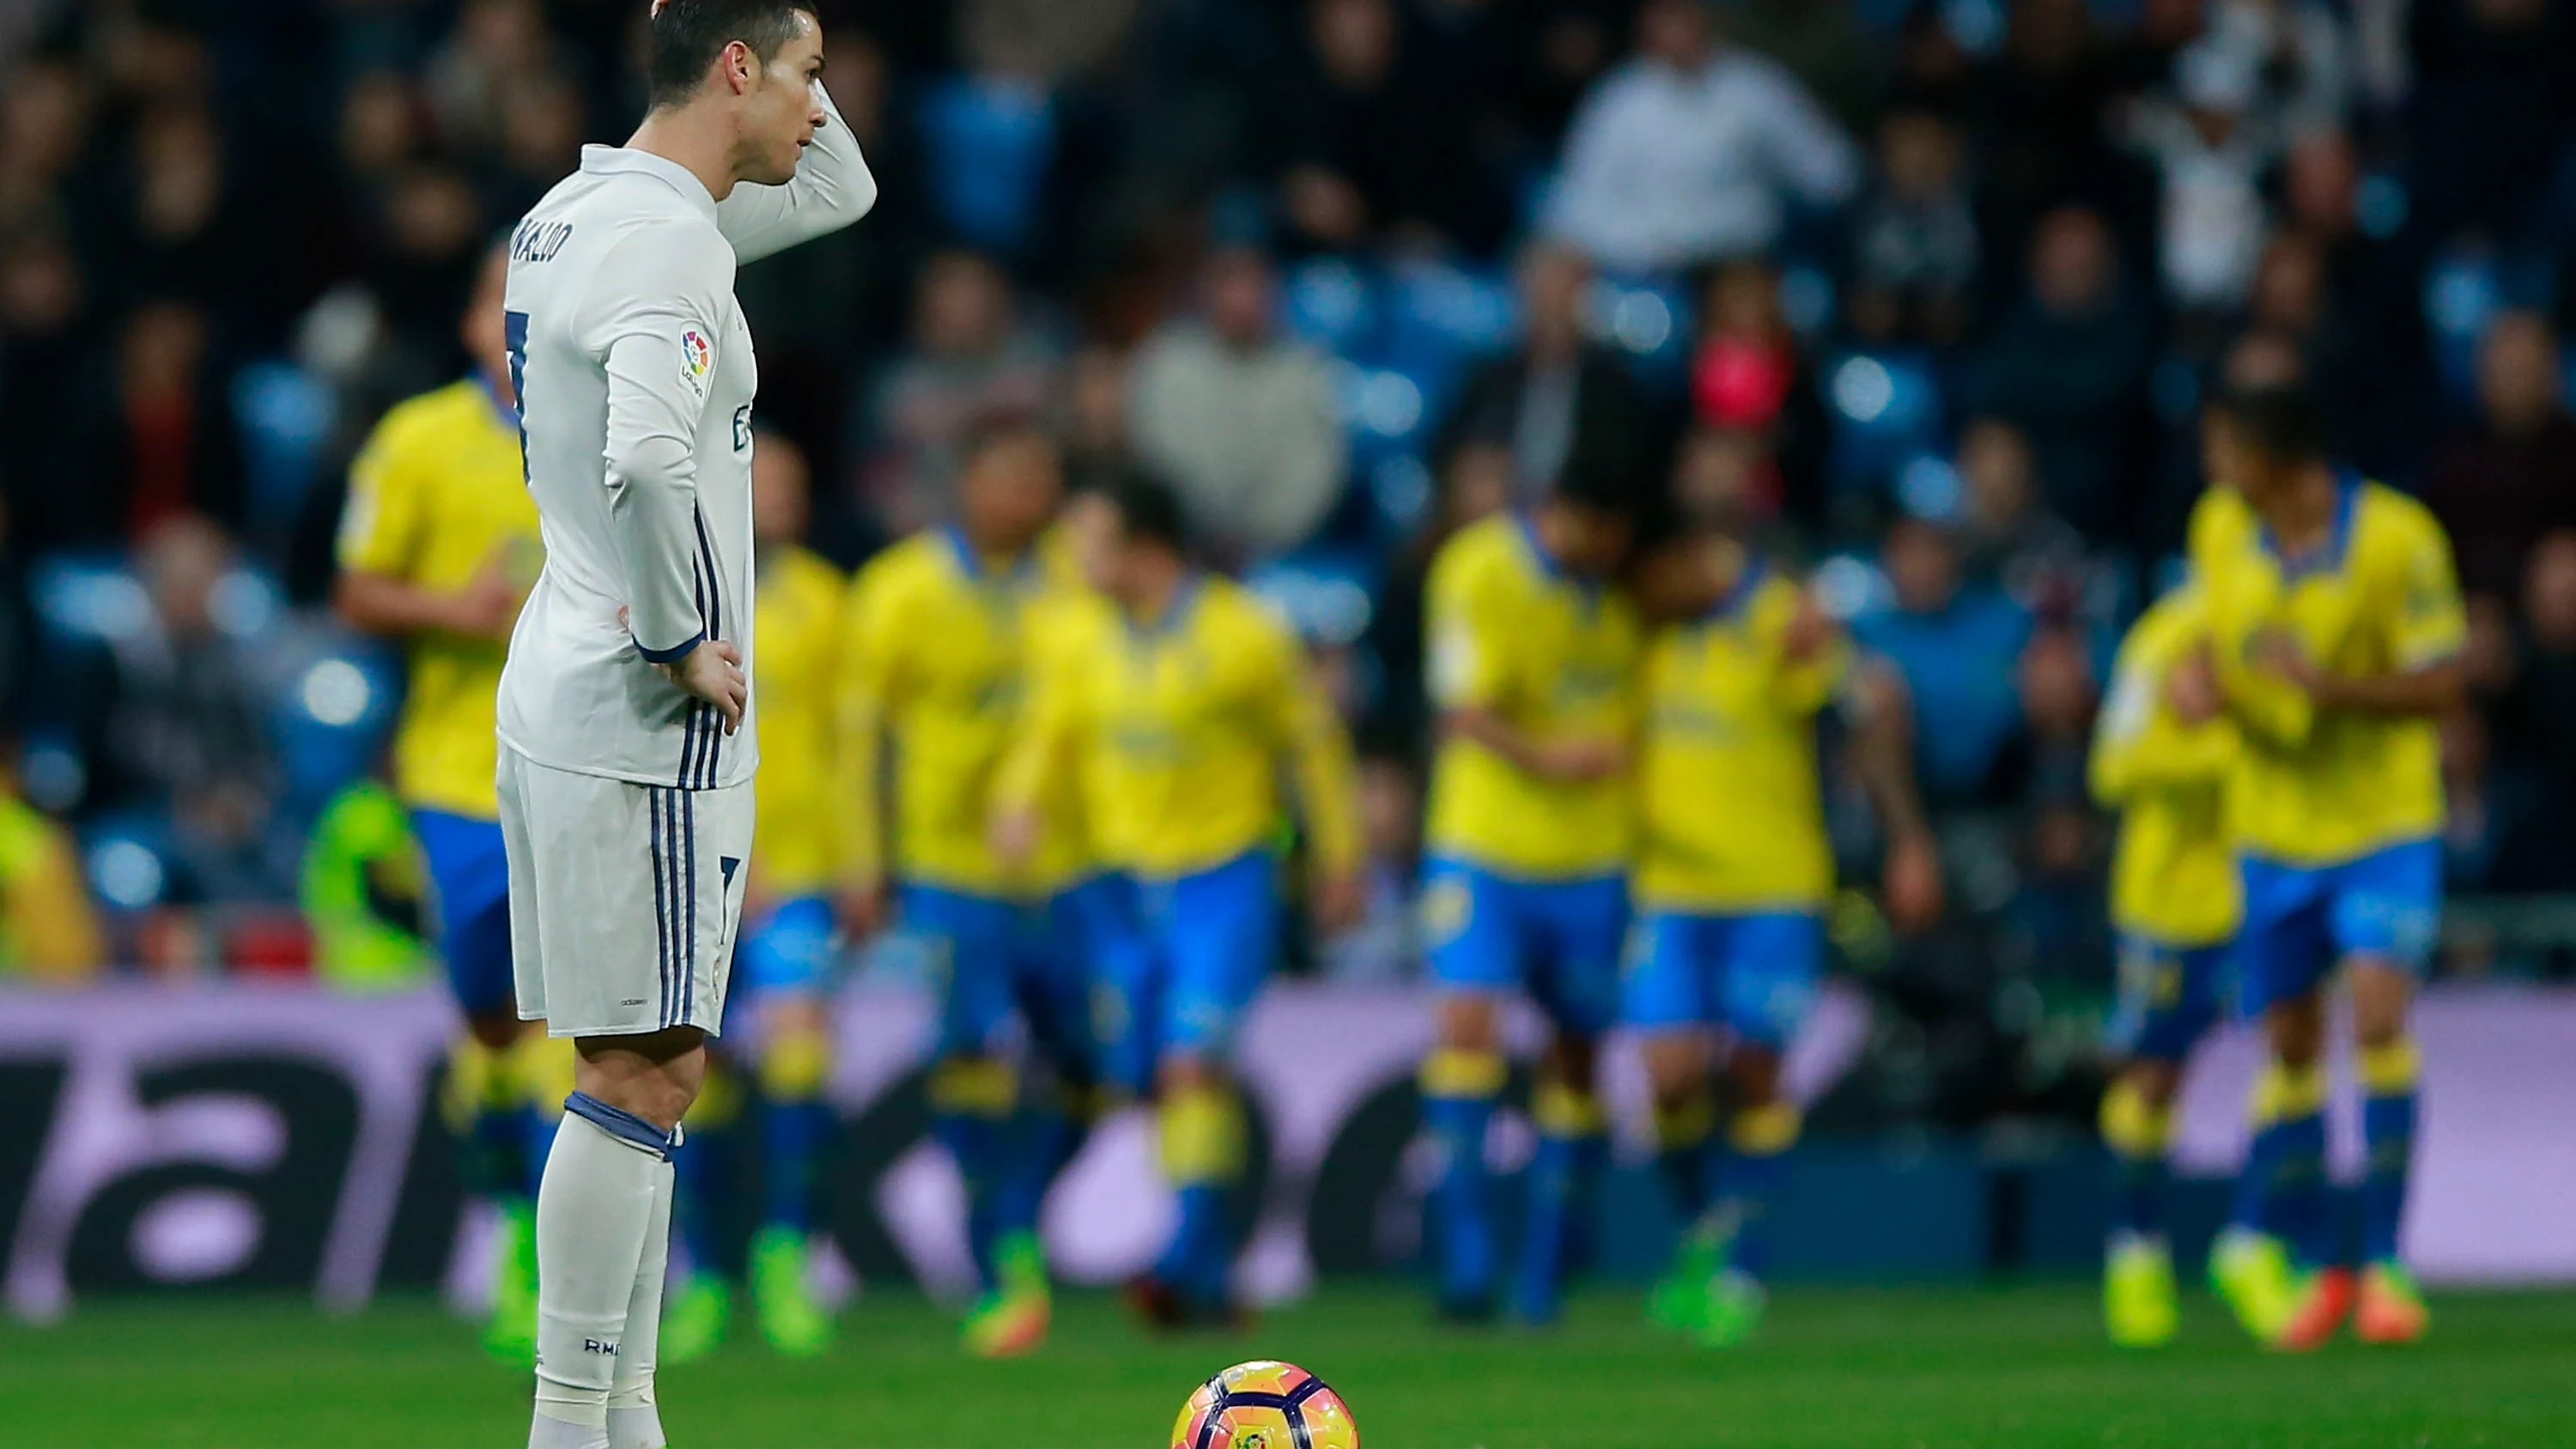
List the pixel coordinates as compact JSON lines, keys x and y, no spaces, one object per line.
{"x":595,"y":1208}
{"x":633,"y":1421}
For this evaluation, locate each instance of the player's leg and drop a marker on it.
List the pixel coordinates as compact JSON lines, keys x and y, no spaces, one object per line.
{"x":790,"y":956}
{"x":973,"y":1088}
{"x":1580,"y":930}
{"x":1474,"y":958}
{"x":1221,"y":931}
{"x":2385,"y":922}
{"x":2168,"y":1000}
{"x":487,"y":1104}
{"x":707,"y":1171}
{"x":1663,"y":998}
{"x":2278,"y":1210}
{"x":1769,"y":971}
{"x":630,"y":957}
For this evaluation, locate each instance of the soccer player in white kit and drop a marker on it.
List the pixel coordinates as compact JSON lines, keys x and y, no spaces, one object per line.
{"x":627,"y":709}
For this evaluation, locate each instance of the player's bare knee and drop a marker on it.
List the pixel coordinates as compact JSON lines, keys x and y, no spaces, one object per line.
{"x":1571,"y":1059}
{"x":2154,"y":1081}
{"x":2297,"y":1029}
{"x":1185,"y":1071}
{"x":1470,"y":1022}
{"x":497,"y":1030}
{"x":655,"y":1076}
{"x":2381,"y":995}
{"x":1676,"y":1067}
{"x":1754,"y":1072}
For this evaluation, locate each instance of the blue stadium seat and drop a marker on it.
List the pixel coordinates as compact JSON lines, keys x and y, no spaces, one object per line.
{"x":285,"y":416}
{"x":1333,"y":303}
{"x":1325,"y":593}
{"x":1440,"y":317}
{"x":990,"y":144}
{"x":2462,"y":290}
{"x":1648,"y":320}
{"x":331,"y":721}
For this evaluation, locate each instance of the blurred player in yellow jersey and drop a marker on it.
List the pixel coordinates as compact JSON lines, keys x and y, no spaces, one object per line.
{"x":1533,"y":666}
{"x":1732,"y":880}
{"x":437,"y":548}
{"x":937,"y":649}
{"x":2163,"y":753}
{"x":1179,"y":711}
{"x":2337,"y":626}
{"x":783,"y":967}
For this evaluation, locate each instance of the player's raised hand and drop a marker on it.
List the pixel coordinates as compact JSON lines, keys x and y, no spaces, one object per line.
{"x":713,"y":672}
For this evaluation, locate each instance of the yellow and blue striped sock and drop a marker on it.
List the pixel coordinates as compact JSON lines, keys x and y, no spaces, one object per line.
{"x":2389,"y":1077}
{"x":1459,"y":1090}
{"x":2138,"y":1133}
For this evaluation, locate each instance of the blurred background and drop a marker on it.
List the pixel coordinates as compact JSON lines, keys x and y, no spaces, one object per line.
{"x":1928,"y":292}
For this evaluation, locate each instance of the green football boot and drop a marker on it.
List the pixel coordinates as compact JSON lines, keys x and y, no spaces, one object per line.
{"x":2138,"y":1299}
{"x":790,"y":1319}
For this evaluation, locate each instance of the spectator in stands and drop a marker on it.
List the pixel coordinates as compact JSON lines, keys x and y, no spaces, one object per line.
{"x":1915,"y":250}
{"x":2511,"y":476}
{"x":174,"y":728}
{"x":2069,"y":367}
{"x":971,"y":359}
{"x":1475,"y":482}
{"x":2300,"y":54}
{"x":2367,"y":354}
{"x":1244,"y":421}
{"x":157,"y":443}
{"x":2007,"y":535}
{"x":498,"y":49}
{"x":1096,"y":449}
{"x":2533,"y":721}
{"x":1368,"y":141}
{"x":2210,"y":156}
{"x":1692,"y":152}
{"x":1956,"y":647}
{"x":54,"y":383}
{"x":1562,"y":401}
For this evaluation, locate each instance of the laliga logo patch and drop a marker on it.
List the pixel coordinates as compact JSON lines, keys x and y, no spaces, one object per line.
{"x":697,"y":360}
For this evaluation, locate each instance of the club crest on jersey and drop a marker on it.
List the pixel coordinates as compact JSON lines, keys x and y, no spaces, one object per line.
{"x":697,"y":360}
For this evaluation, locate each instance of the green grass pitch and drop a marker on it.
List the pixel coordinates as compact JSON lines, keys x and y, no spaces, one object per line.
{"x":1835,"y":1369}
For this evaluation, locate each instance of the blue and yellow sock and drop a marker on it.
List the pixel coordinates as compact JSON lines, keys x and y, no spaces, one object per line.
{"x":2287,"y":1162}
{"x":1685,"y":1136}
{"x":1573,"y":1147}
{"x":795,"y":1123}
{"x":2389,"y":1074}
{"x":1047,"y":1134}
{"x":700,"y":1171}
{"x":971,"y":1102}
{"x":1459,"y":1090}
{"x":1757,"y":1159}
{"x":2138,"y":1134}
{"x":1201,"y":1130}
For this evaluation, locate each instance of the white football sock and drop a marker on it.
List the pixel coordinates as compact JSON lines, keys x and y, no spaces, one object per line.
{"x":594,"y":1207}
{"x":633,"y":1421}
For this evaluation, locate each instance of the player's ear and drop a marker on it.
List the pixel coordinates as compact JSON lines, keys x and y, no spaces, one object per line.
{"x":742,"y":67}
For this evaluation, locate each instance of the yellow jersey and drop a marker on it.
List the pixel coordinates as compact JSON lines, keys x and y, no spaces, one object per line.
{"x":436,"y":495}
{"x":1731,"y":805}
{"x":2378,"y":596}
{"x":796,"y":617}
{"x":2173,"y":872}
{"x":936,"y":670}
{"x":1179,"y":730}
{"x":1068,"y":619}
{"x":1554,"y":656}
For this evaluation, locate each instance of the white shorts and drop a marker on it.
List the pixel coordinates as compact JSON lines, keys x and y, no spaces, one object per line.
{"x":624,"y":898}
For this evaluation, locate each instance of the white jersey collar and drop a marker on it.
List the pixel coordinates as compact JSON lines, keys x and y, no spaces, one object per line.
{"x":610,"y":160}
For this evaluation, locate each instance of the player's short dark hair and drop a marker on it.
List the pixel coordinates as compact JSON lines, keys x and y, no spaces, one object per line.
{"x":1148,"y":510}
{"x":688,"y":35}
{"x":2281,"y":420}
{"x":1600,"y":485}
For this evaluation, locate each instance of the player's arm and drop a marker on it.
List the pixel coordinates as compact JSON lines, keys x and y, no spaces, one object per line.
{"x":1044,"y":748}
{"x":380,"y":529}
{"x":657,"y":336}
{"x":1321,"y":761}
{"x":832,"y":188}
{"x":862,"y":705}
{"x":2161,"y":730}
{"x":2428,"y":633}
{"x":1882,"y":755}
{"x":1472,"y":678}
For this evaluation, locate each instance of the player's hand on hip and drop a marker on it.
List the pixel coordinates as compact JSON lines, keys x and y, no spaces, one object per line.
{"x":1580,"y":761}
{"x":1013,"y":834}
{"x":713,"y":672}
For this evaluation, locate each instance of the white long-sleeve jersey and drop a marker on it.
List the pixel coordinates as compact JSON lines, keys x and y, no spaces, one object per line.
{"x":635,"y":375}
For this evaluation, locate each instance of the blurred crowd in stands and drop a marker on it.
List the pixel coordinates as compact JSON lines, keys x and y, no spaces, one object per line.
{"x":1924,"y":294}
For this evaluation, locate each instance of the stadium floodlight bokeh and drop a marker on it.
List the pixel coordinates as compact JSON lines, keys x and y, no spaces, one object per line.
{"x":1927,"y":305}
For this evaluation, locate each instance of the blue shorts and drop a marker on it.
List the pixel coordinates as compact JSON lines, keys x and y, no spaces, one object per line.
{"x":2170,"y":997}
{"x":1753,"y":974}
{"x":1179,"y":960}
{"x":469,"y":892}
{"x":983,"y":952}
{"x":789,"y":949}
{"x":1557,"y":940}
{"x":2302,"y":921}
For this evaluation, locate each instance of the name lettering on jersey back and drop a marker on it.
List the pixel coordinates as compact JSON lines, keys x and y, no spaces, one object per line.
{"x":537,"y":241}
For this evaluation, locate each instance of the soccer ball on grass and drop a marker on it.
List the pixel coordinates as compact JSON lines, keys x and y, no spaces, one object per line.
{"x":1265,"y":1405}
